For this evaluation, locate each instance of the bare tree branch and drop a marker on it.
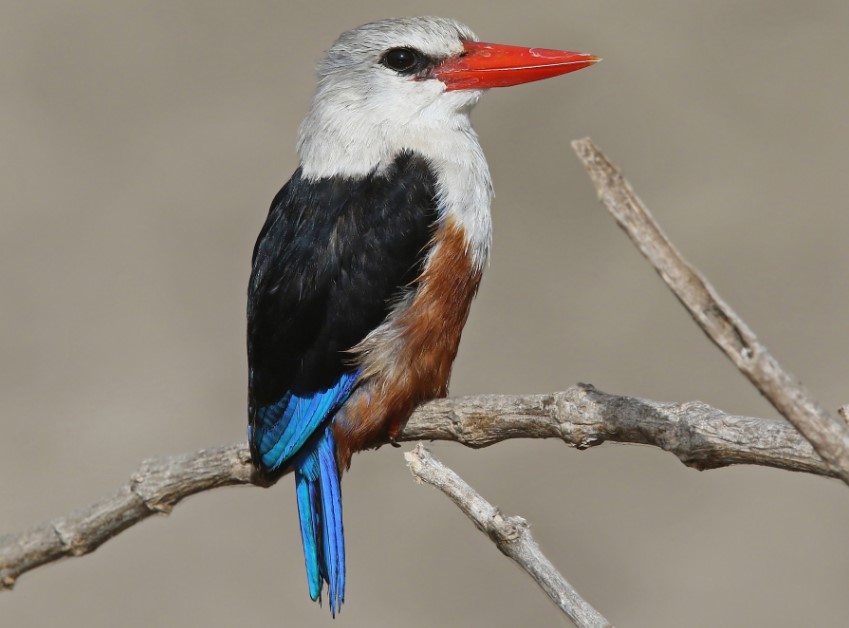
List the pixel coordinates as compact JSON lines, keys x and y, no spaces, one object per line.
{"x":511,"y":535}
{"x":699,"y":435}
{"x":583,"y":416}
{"x":829,"y":435}
{"x":155,"y":488}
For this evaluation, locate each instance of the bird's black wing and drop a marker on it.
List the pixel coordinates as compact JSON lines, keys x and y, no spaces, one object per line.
{"x":330,"y":259}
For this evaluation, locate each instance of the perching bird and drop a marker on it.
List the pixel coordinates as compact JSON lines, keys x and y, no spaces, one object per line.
{"x":367,"y":264}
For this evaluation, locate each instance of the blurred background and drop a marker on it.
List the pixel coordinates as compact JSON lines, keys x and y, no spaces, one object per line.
{"x":140,"y":147}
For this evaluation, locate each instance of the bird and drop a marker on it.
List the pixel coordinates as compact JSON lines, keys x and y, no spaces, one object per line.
{"x":370,"y":256}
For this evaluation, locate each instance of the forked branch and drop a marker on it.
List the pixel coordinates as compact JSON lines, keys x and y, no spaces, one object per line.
{"x":828,"y":434}
{"x":582,"y":416}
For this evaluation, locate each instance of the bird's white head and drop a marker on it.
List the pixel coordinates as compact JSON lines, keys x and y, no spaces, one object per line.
{"x":409,"y":84}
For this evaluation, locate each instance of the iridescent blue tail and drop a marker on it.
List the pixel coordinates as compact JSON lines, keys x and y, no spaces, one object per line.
{"x":320,"y":512}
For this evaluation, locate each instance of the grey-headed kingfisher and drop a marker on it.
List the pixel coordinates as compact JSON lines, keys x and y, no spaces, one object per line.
{"x":371,"y":254}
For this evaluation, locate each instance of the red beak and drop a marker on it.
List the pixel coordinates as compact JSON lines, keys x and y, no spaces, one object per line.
{"x":484,"y":65}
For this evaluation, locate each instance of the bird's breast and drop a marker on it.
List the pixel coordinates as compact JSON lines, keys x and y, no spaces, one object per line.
{"x":408,"y":359}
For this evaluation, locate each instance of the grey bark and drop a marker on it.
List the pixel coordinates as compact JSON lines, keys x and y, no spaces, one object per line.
{"x":828,"y":434}
{"x":511,"y":535}
{"x":582,"y":416}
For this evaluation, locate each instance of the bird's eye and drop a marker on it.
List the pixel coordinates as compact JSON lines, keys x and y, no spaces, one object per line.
{"x":403,"y":60}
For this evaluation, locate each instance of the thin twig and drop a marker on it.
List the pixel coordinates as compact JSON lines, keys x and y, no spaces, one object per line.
{"x":510,"y":534}
{"x":828,"y":435}
{"x":582,"y":416}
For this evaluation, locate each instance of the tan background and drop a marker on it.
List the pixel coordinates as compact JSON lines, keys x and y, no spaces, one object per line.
{"x":140,"y":146}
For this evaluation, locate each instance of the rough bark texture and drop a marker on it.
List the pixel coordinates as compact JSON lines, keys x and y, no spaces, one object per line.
{"x":155,"y":488}
{"x":828,"y":435}
{"x":699,"y":435}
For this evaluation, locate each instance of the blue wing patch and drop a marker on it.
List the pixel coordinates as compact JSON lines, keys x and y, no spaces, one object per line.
{"x":282,"y":428}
